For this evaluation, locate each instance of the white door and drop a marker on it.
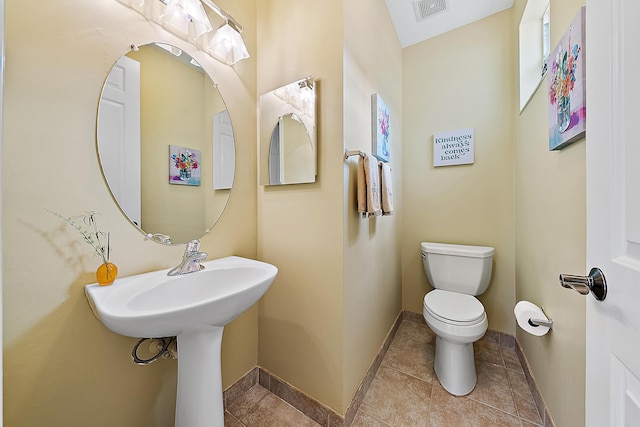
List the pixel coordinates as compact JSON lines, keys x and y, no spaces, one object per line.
{"x":613,"y":211}
{"x":119,"y":135}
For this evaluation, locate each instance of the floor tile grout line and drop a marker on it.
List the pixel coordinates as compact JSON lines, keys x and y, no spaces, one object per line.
{"x":406,"y":373}
{"x":431,"y":399}
{"x":516,"y":415}
{"x":515,"y":370}
{"x":521,"y":370}
{"x":515,"y":406}
{"x":377,"y":419}
{"x":252,"y":407}
{"x":493,"y":407}
{"x":513,"y":395}
{"x":511,"y":386}
{"x":236,"y":419}
{"x":518,"y":410}
{"x":294,"y":408}
{"x":504,"y":363}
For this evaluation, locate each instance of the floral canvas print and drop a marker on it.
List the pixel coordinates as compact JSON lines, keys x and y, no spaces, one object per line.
{"x":566,"y":79}
{"x":184,"y":166}
{"x":380,"y":118}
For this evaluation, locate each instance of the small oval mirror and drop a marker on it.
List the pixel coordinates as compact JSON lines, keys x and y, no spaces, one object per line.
{"x":165,"y":143}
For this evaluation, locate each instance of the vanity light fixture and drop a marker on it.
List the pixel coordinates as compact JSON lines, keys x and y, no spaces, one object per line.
{"x":180,"y":13}
{"x":226,"y":44}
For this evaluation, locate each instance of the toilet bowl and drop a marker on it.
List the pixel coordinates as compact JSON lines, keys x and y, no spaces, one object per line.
{"x":457,"y":324}
{"x":457,"y":273}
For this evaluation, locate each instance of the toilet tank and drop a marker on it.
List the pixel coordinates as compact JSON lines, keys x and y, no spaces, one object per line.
{"x":458,"y":268}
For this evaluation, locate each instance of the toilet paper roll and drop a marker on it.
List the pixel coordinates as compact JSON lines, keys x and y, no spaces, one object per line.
{"x":525,"y":310}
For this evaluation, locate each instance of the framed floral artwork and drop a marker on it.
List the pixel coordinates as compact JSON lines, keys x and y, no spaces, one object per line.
{"x":184,"y":166}
{"x":380,"y":131}
{"x":566,"y":80}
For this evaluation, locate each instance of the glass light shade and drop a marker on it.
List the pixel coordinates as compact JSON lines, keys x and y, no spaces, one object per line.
{"x":227,"y":45}
{"x":180,"y":13}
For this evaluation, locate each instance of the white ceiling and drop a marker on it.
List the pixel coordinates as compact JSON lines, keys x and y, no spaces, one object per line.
{"x":456,"y":14}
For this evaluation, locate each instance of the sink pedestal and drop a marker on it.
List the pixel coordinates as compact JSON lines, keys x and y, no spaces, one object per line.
{"x":199,"y":399}
{"x":194,"y":308}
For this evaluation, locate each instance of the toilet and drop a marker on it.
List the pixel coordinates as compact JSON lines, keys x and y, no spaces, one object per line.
{"x":457,"y":273}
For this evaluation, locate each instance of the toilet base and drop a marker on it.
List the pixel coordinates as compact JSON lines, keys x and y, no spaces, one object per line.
{"x":455,"y":366}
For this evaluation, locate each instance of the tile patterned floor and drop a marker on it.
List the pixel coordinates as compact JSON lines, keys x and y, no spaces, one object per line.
{"x":406,"y":393}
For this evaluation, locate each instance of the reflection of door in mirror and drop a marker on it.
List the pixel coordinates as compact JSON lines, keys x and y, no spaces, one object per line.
{"x":224,"y":153}
{"x":275,"y":158}
{"x":119,"y":116}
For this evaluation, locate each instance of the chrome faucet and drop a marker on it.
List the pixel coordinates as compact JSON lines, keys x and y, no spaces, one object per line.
{"x":190,"y":260}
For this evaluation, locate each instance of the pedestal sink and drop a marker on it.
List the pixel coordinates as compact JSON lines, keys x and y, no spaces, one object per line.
{"x":193,"y":307}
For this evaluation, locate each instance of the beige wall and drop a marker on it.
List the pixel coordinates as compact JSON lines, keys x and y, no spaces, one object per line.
{"x":551,"y":239}
{"x":372,"y":267}
{"x":300,"y":226}
{"x":61,"y":366}
{"x":326,"y":315}
{"x":461,"y":79}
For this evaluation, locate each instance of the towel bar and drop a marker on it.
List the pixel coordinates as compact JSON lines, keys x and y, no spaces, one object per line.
{"x":349,"y":153}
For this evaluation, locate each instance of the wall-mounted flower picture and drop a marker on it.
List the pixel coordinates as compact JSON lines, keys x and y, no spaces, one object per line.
{"x":184,"y":166}
{"x":380,"y":121}
{"x":566,"y":79}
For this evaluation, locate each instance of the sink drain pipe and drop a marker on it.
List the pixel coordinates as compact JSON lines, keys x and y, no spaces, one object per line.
{"x":166,"y":347}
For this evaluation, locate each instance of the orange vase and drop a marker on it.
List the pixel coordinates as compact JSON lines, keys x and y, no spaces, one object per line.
{"x":106,"y":273}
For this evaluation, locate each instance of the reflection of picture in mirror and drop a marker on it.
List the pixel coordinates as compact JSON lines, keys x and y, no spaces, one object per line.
{"x":184,"y":166}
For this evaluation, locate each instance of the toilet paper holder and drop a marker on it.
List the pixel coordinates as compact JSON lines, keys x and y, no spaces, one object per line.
{"x":541,"y":322}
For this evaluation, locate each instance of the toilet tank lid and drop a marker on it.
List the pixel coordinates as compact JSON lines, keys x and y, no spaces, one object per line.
{"x":457,"y":250}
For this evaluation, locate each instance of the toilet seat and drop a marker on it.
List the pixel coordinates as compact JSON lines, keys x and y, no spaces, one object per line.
{"x":454,"y":308}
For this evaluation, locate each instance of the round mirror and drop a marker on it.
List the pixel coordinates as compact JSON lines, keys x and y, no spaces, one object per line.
{"x":165,"y":143}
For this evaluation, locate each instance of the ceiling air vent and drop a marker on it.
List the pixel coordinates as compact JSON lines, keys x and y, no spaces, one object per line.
{"x":426,"y":8}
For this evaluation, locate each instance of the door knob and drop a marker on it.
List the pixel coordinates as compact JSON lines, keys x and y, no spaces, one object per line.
{"x":594,"y":283}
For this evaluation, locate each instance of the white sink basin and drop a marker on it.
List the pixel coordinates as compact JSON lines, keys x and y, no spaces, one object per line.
{"x":194,"y":307}
{"x":156,"y":305}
